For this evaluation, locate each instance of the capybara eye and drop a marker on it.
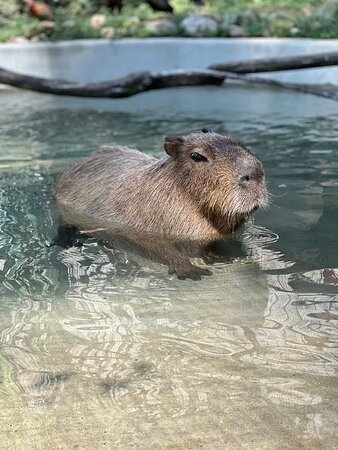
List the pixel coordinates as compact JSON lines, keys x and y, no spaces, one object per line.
{"x":197,"y":157}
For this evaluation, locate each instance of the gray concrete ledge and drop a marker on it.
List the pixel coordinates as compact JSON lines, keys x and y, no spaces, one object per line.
{"x":100,"y":60}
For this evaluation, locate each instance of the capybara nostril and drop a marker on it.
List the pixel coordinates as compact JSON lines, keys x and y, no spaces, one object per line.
{"x":245,"y":180}
{"x":256,"y":175}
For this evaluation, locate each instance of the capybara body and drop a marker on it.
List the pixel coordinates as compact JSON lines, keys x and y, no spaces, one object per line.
{"x":206,"y":187}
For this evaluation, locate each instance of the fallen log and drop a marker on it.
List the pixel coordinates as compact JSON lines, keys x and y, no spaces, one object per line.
{"x":276,"y":64}
{"x":145,"y":81}
{"x":121,"y":87}
{"x":307,"y":89}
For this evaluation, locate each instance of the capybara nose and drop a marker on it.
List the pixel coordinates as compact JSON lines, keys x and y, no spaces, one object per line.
{"x":254,"y":174}
{"x":245,"y":180}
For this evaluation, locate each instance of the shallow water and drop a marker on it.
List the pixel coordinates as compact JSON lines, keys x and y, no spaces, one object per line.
{"x":103,"y":349}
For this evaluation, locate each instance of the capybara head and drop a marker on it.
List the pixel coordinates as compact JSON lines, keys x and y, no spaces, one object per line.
{"x":223,"y":177}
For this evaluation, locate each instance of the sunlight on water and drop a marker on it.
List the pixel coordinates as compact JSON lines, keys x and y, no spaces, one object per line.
{"x":101,"y":348}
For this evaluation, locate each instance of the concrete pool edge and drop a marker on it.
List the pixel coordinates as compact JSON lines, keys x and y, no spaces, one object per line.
{"x":101,"y":59}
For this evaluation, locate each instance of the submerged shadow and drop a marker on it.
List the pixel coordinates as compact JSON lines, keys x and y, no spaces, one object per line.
{"x":171,"y":251}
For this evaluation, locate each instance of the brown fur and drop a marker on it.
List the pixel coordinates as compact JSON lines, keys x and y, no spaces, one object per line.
{"x":173,"y":196}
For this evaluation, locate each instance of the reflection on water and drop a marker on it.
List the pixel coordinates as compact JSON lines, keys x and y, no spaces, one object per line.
{"x":101,"y":348}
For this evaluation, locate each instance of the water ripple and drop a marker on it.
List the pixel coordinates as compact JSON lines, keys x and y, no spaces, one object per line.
{"x":100,"y":339}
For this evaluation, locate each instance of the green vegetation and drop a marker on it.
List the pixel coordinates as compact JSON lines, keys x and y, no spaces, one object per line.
{"x":73,"y":19}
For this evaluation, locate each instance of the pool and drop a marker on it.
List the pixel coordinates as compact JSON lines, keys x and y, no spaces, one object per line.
{"x":101,"y":348}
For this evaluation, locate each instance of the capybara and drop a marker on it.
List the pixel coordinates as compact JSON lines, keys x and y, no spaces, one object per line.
{"x":206,"y":187}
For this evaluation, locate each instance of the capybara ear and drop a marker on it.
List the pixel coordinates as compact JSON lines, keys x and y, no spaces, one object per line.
{"x":172,"y":145}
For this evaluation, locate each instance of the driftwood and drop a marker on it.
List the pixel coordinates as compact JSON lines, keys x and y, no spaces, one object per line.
{"x":214,"y":75}
{"x":121,"y":87}
{"x":276,"y":64}
{"x":306,"y":88}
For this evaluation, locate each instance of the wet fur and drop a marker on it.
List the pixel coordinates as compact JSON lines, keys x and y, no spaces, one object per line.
{"x":172,"y":196}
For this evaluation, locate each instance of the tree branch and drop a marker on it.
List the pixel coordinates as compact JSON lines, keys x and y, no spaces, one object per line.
{"x":276,"y":64}
{"x":215,"y":75}
{"x":122,"y":87}
{"x":307,"y":89}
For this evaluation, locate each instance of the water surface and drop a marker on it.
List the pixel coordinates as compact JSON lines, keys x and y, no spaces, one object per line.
{"x":100,"y":348}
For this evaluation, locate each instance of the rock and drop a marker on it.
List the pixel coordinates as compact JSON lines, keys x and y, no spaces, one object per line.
{"x":308,"y":10}
{"x":244,"y":18}
{"x":230,"y":19}
{"x":40,"y":29}
{"x":316,"y":25}
{"x":98,"y":20}
{"x":281,"y":23}
{"x":294,"y":30}
{"x":236,"y":31}
{"x":68,"y":23}
{"x":107,"y":32}
{"x":281,"y":16}
{"x":161,"y":26}
{"x":248,"y":17}
{"x":39,"y":37}
{"x":328,"y":10}
{"x":199,"y":26}
{"x":45,"y":25}
{"x":19,"y":40}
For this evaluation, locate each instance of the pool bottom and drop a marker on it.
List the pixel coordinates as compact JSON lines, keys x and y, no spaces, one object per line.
{"x":103,"y":349}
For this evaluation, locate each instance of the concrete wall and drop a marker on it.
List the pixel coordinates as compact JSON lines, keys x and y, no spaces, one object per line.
{"x":99,"y":60}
